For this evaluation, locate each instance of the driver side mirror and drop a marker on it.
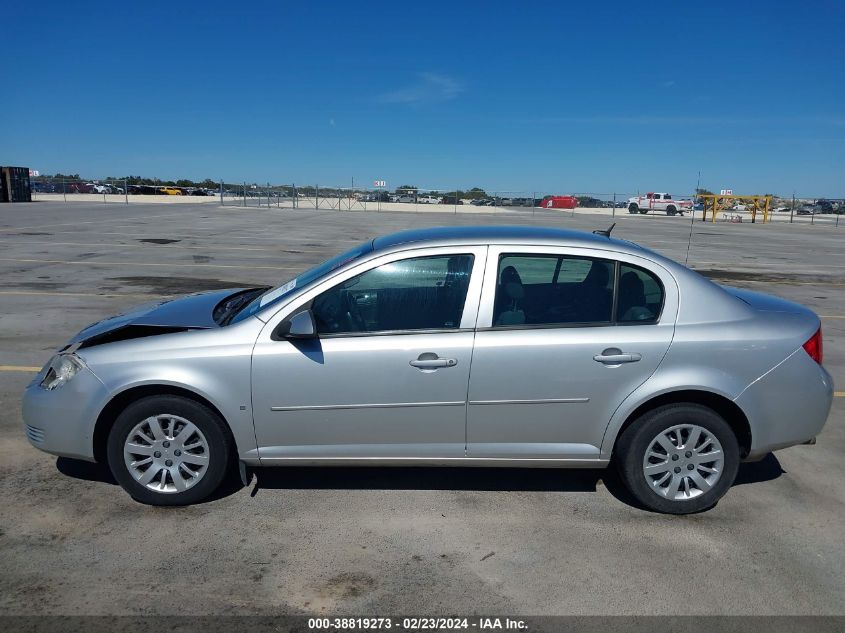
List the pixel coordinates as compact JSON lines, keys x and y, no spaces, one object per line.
{"x":298,"y":326}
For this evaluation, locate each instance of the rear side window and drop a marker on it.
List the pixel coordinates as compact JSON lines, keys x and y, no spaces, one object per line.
{"x":640,"y":297}
{"x":552,"y":289}
{"x":532,"y":270}
{"x":568,"y":290}
{"x":423,"y":293}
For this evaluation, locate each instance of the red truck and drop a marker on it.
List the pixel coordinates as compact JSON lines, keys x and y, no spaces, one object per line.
{"x":559,"y":202}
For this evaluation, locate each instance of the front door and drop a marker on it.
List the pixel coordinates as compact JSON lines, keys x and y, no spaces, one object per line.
{"x":387,"y":376}
{"x":564,"y":337}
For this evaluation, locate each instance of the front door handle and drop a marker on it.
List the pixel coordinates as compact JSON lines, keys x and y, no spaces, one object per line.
{"x":614,"y":356}
{"x":429,"y":360}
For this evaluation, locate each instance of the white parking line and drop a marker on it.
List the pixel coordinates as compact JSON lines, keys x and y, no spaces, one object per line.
{"x":157,"y":264}
{"x":279,"y":250}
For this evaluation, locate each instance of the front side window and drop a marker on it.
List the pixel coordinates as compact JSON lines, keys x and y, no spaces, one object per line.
{"x":423,"y":293}
{"x":553,"y":289}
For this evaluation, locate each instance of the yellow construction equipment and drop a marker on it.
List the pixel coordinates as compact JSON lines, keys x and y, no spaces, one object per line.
{"x":717,"y":203}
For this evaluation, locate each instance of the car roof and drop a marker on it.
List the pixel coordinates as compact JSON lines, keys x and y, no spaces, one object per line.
{"x":448,"y":235}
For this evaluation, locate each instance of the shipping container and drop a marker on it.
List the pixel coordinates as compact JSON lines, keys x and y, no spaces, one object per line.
{"x":15,"y":185}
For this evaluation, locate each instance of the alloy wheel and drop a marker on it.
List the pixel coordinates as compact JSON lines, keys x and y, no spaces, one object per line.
{"x":683,"y":462}
{"x":166,"y":453}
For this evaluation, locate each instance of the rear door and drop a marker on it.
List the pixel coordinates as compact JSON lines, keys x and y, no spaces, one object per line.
{"x":564,"y":336}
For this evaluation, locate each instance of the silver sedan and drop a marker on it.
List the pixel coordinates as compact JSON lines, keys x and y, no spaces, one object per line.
{"x":472,"y":346}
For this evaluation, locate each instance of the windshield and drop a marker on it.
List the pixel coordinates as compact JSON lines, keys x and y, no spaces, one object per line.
{"x":275,"y":295}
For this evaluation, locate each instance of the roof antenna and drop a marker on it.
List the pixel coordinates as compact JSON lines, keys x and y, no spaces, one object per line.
{"x":605,"y":232}
{"x":692,"y":216}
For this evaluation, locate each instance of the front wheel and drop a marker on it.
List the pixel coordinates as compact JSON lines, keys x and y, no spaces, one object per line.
{"x":168,"y":450}
{"x":632,"y":208}
{"x":678,"y":459}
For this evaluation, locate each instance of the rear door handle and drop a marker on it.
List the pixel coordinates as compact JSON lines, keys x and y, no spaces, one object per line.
{"x":613,"y":356}
{"x":425,"y":361}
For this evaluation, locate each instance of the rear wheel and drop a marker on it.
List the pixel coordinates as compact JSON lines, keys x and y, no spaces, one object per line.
{"x":671,"y":210}
{"x":168,"y":450}
{"x":678,"y":459}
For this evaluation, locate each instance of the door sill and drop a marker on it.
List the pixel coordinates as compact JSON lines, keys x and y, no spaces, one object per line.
{"x":490,"y":462}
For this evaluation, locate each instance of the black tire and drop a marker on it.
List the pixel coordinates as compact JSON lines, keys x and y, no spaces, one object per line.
{"x":632,"y":208}
{"x":632,"y":445}
{"x":220,"y":448}
{"x":671,"y":210}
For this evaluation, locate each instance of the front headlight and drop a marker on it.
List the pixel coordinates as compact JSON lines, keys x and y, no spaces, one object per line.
{"x":62,"y":369}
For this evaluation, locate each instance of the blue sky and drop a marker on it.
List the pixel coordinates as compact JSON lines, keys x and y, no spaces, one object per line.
{"x":587,"y":97}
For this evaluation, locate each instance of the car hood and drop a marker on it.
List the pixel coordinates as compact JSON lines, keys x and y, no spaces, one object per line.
{"x":193,"y":311}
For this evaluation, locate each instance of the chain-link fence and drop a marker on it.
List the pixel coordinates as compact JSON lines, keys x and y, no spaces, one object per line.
{"x":796,"y":209}
{"x":123,"y":190}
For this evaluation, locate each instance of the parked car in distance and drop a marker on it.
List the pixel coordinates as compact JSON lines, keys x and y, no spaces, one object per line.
{"x":79,"y":187}
{"x":45,"y":187}
{"x":585,"y":351}
{"x":405,"y":197}
{"x":429,"y":199}
{"x":450,"y":200}
{"x":823,"y":206}
{"x":559,"y":202}
{"x":654,"y":201}
{"x":170,"y":191}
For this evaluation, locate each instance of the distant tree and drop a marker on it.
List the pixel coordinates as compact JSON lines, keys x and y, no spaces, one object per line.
{"x":474,"y":193}
{"x":703,"y":192}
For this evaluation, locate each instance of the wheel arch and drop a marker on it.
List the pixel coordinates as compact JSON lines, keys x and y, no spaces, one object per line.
{"x":729,"y":410}
{"x":121,"y":400}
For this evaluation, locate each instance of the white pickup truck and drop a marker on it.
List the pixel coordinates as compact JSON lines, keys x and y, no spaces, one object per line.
{"x":654,"y":201}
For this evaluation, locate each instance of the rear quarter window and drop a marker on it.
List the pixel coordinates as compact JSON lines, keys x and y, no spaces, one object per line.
{"x":640,"y":295}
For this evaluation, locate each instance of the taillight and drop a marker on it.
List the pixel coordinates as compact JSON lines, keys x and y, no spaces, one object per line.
{"x":814,"y":346}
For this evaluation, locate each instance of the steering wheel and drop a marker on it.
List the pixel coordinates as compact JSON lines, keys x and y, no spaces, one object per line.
{"x":328,"y":312}
{"x":354,"y":313}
